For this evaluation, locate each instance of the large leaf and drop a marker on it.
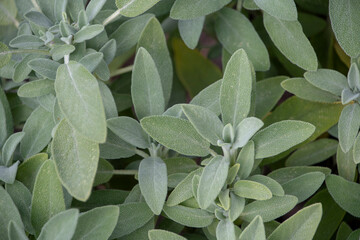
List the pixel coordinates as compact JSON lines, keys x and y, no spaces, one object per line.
{"x":339,"y":188}
{"x":281,"y":9}
{"x":289,"y":38}
{"x":97,"y":224}
{"x":61,"y":226}
{"x":8,"y":213}
{"x":76,"y":160}
{"x":226,"y":230}
{"x":187,"y":9}
{"x":48,"y":197}
{"x":190,"y":217}
{"x":36,"y":88}
{"x":235,"y":31}
{"x":153,"y":40}
{"x":16,"y":232}
{"x":153,"y":182}
{"x":346,"y":36}
{"x":301,"y":226}
{"x":80,"y":101}
{"x":212,"y":180}
{"x":37,"y":130}
{"x":349,"y":123}
{"x":327,"y":80}
{"x":133,"y":8}
{"x":177,"y":134}
{"x":146,"y":88}
{"x":6,"y":120}
{"x":235,"y":93}
{"x":281,"y":136}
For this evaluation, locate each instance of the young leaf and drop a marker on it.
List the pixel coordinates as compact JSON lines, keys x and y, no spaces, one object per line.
{"x":281,"y":9}
{"x":246,"y":159}
{"x":153,"y":182}
{"x":133,"y":8}
{"x":80,"y":101}
{"x":177,"y":134}
{"x":254,"y":231}
{"x":158,"y":234}
{"x":44,"y":67}
{"x":235,"y":31}
{"x":269,"y":209}
{"x":22,"y":69}
{"x":129,"y":130}
{"x":190,"y":217}
{"x":76,"y":160}
{"x":132,"y":217}
{"x":235,"y":93}
{"x":37,"y":130}
{"x":146,"y":88}
{"x":313,"y":153}
{"x":327,"y":80}
{"x":48,"y":198}
{"x":16,"y":232}
{"x":281,"y":136}
{"x":206,"y":122}
{"x":92,"y":60}
{"x":302,"y":225}
{"x":212,"y":180}
{"x":252,"y":190}
{"x":353,"y":77}
{"x":97,"y":224}
{"x":245,"y":130}
{"x":190,"y":31}
{"x":88,"y":32}
{"x":184,"y":9}
{"x":108,"y":101}
{"x":289,"y":38}
{"x":346,"y":36}
{"x":93,"y":8}
{"x":8,"y":213}
{"x":8,"y":174}
{"x":349,"y":123}
{"x":61,"y":226}
{"x":115,"y":147}
{"x":225,"y":230}
{"x":154,"y":41}
{"x":339,"y":188}
{"x":10,"y":146}
{"x":274,"y":186}
{"x":237,"y":205}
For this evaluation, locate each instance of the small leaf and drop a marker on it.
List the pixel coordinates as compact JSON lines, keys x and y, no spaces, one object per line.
{"x":235,"y":93}
{"x":80,"y":101}
{"x":88,"y":32}
{"x":254,"y":231}
{"x":109,"y":49}
{"x":93,"y":8}
{"x":176,"y":134}
{"x":235,"y":31}
{"x":44,"y":67}
{"x":190,"y":31}
{"x":281,"y":136}
{"x":225,"y":230}
{"x":48,"y":197}
{"x":115,"y":147}
{"x":349,"y":123}
{"x":237,"y":205}
{"x":158,"y":234}
{"x":5,"y":54}
{"x":76,"y":160}
{"x":22,"y":69}
{"x":36,"y":88}
{"x":97,"y":224}
{"x":10,"y":146}
{"x":26,"y":42}
{"x":209,"y":97}
{"x":6,"y":120}
{"x":132,"y":216}
{"x":269,"y":209}
{"x":8,"y":11}
{"x":8,"y":174}
{"x":289,"y":38}
{"x":190,"y":217}
{"x":153,"y":182}
{"x":302,"y":225}
{"x":246,"y":159}
{"x":133,"y":8}
{"x":38,"y":18}
{"x":245,"y":130}
{"x":37,"y":130}
{"x":146,"y":88}
{"x":59,"y":8}
{"x":353,"y":77}
{"x":212,"y":180}
{"x":16,"y":232}
{"x":206,"y":122}
{"x":252,"y":190}
{"x":274,"y":186}
{"x":91,"y":61}
{"x":129,"y":130}
{"x":184,"y":10}
{"x":61,"y":225}
{"x":327,"y":80}
{"x":281,"y":9}
{"x":346,"y":36}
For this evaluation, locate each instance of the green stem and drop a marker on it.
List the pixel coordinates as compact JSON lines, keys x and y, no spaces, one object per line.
{"x":124,"y":172}
{"x":111,"y":17}
{"x":122,"y":71}
{"x":141,"y":153}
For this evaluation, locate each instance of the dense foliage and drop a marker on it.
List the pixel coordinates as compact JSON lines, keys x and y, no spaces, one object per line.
{"x":168,"y":119}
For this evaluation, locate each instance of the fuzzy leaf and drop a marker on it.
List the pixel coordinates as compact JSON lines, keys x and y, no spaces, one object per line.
{"x":158,"y":234}
{"x":187,"y":9}
{"x":252,"y":190}
{"x":133,"y":8}
{"x":327,"y":80}
{"x":281,"y":9}
{"x":88,"y":32}
{"x":348,"y":126}
{"x":190,"y":217}
{"x":190,"y":31}
{"x":254,"y":231}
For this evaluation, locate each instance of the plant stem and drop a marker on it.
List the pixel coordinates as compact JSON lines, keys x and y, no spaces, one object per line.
{"x":212,"y":152}
{"x":66,"y":59}
{"x":124,"y":172}
{"x":36,"y":5}
{"x":121,"y":71}
{"x":111,"y":17}
{"x":141,"y":153}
